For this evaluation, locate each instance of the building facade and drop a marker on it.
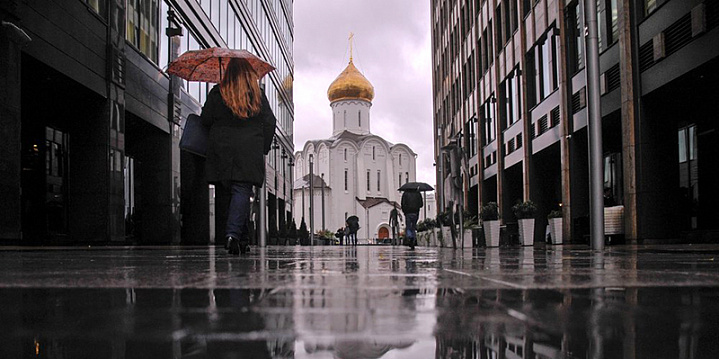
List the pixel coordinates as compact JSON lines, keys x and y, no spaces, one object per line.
{"x":510,"y":89}
{"x":354,"y":172}
{"x":91,"y":121}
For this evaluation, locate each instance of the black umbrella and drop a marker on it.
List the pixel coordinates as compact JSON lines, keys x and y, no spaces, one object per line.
{"x":416,"y":186}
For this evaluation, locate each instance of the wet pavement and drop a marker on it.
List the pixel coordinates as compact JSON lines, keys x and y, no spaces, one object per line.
{"x":363,"y":302}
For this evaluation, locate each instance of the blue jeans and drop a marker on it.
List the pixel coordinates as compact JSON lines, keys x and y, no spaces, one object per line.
{"x":239,"y":211}
{"x":411,"y":219}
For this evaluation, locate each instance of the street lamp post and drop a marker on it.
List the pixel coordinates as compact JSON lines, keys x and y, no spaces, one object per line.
{"x":276,"y":223}
{"x":312,"y":206}
{"x":594,"y":124}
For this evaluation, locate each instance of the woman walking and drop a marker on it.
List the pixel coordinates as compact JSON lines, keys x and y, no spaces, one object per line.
{"x":242,"y":127}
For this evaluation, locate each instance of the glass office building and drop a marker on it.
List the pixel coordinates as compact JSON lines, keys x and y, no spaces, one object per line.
{"x":509,"y":86}
{"x":92,"y":146}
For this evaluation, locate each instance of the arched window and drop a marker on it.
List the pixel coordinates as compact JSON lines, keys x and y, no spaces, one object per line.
{"x":345,"y":155}
{"x":373,"y":153}
{"x":359,"y":118}
{"x":400,"y":159}
{"x":345,"y":119}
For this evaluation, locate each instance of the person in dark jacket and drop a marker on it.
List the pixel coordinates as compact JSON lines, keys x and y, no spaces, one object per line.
{"x":340,"y":234}
{"x":242,"y":127}
{"x":411,"y":203}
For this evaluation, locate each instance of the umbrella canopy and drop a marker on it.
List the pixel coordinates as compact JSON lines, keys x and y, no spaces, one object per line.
{"x":209,"y":64}
{"x":416,"y":186}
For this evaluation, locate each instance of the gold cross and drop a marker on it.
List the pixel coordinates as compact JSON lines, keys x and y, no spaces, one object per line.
{"x":350,"y":39}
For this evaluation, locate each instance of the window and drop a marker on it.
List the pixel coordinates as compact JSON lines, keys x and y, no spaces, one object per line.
{"x":345,"y":121}
{"x":98,"y":5}
{"x":541,"y":70}
{"x":345,"y":154}
{"x":142,"y":25}
{"x":406,"y":177}
{"x":574,"y":39}
{"x":373,"y":153}
{"x":488,"y":121}
{"x":649,"y":6}
{"x":359,"y":118}
{"x":400,"y":159}
{"x":379,"y":179}
{"x":368,"y":181}
{"x":399,"y":183}
{"x":346,"y":178}
{"x":613,"y":22}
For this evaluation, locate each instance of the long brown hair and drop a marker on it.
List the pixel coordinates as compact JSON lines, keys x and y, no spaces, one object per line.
{"x":240,"y":89}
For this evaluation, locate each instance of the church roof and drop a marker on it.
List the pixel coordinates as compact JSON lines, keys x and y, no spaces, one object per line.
{"x":304,"y":182}
{"x":370,"y":202}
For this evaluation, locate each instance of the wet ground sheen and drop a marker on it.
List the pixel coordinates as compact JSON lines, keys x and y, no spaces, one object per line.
{"x":362,"y":302}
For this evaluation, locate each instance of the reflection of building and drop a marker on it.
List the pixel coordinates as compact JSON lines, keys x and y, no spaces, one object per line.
{"x":91,"y":123}
{"x":509,"y":76}
{"x":356,"y":172}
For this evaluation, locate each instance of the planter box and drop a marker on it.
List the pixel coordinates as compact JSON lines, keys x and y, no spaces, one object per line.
{"x":446,"y":238}
{"x":468,"y":241}
{"x":555,"y":229}
{"x":613,"y":220}
{"x":491,"y":233}
{"x":526,"y":232}
{"x":433,"y":240}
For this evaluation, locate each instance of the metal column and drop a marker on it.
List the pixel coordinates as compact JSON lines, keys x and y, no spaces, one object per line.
{"x":594,"y":125}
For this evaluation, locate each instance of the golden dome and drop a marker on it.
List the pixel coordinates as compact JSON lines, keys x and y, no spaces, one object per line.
{"x":350,"y":84}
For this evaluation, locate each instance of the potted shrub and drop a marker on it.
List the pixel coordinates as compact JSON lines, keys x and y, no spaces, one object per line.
{"x":445,"y":230}
{"x":433,"y":230}
{"x":282,"y":235}
{"x":555,"y":226}
{"x":272,"y":237}
{"x":292,"y":233}
{"x":304,"y":234}
{"x":468,"y":226}
{"x":490,"y":223}
{"x":525,"y":212}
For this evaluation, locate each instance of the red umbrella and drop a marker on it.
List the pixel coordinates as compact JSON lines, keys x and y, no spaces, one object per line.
{"x":208,"y":65}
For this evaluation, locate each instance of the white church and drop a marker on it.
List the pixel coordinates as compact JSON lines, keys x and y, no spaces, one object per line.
{"x":355,"y":172}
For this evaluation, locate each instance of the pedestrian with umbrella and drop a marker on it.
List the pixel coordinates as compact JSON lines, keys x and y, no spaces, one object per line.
{"x":241,"y":128}
{"x":411,"y":204}
{"x":353,"y":225}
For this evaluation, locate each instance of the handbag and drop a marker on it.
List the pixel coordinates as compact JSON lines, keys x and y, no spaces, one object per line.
{"x":195,"y":136}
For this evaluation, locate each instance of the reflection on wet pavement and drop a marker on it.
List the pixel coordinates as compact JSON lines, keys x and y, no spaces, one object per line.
{"x":366,"y":302}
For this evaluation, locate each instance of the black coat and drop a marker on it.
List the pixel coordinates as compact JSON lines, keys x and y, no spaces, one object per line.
{"x":236,"y":145}
{"x":411,"y":202}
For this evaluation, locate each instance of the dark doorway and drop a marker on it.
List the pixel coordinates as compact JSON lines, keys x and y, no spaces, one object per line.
{"x":55,"y":159}
{"x":148,"y":197}
{"x":513,"y":191}
{"x":546,"y":189}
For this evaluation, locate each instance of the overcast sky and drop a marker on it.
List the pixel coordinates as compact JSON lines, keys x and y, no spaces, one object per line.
{"x":392,"y":48}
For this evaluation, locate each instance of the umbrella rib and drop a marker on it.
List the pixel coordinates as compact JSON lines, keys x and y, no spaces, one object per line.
{"x":198,"y":65}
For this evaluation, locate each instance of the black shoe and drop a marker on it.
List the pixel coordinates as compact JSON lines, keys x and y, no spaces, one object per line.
{"x":244,"y":247}
{"x":233,"y":245}
{"x":412,"y":243}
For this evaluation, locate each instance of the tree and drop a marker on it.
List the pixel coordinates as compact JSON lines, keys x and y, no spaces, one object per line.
{"x":292,"y":230}
{"x":304,"y":233}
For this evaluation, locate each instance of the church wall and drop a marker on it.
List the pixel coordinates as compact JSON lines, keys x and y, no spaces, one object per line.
{"x":377,"y":215}
{"x":355,"y":110}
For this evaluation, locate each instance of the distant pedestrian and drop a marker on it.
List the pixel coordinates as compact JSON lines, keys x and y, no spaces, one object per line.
{"x":394,"y":218}
{"x":411,"y":203}
{"x":353,"y":224}
{"x":242,"y":127}
{"x":340,"y":234}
